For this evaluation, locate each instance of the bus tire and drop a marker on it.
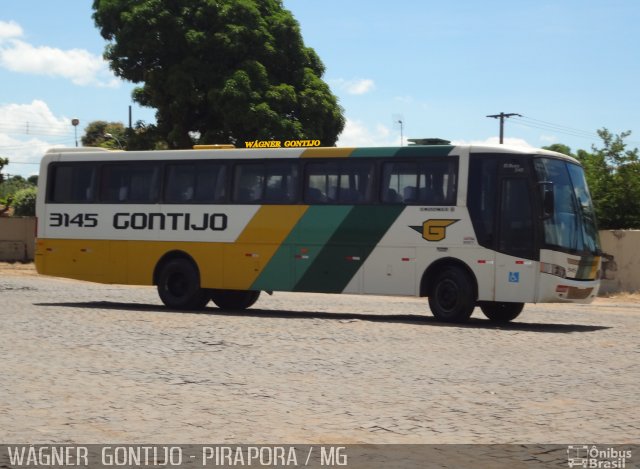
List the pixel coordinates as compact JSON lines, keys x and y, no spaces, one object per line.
{"x":179,"y":285}
{"x":500,"y":311}
{"x":235,"y":300}
{"x":451,"y":297}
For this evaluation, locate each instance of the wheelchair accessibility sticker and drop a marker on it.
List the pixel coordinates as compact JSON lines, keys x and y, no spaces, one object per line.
{"x":514,"y":277}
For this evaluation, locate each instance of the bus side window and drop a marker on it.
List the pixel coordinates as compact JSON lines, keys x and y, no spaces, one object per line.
{"x":399,"y":183}
{"x":268,"y":182}
{"x":210,"y":182}
{"x":281,"y":182}
{"x":430,"y":182}
{"x":248,"y":183}
{"x":72,"y":183}
{"x":132,"y":182}
{"x":179,"y":183}
{"x":344,"y":182}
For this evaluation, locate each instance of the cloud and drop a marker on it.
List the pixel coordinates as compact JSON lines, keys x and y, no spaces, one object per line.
{"x":78,"y":65}
{"x":27,"y":131}
{"x":357,"y":86}
{"x":508,"y":141}
{"x":549,"y":138}
{"x":34,"y":118}
{"x":9,"y":30}
{"x":357,"y":134}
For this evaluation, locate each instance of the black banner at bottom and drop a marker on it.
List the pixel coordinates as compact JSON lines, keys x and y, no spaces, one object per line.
{"x":228,"y":456}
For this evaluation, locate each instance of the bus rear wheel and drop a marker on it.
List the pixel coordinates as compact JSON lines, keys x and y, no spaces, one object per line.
{"x":235,"y":300}
{"x":452,"y":295}
{"x":499,"y":311}
{"x":179,"y":285}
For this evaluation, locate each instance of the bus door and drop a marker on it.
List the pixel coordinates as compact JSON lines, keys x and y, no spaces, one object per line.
{"x":515,"y":273}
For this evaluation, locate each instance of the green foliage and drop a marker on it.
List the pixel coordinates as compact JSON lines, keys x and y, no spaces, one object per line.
{"x":96,"y":135}
{"x":227,"y":70}
{"x":12,"y":185}
{"x":613,"y":175}
{"x":145,"y":137}
{"x":24,"y":202}
{"x":3,"y":163}
{"x":10,"y":188}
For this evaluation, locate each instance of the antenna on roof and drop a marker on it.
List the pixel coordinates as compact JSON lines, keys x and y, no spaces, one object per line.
{"x":397,"y":119}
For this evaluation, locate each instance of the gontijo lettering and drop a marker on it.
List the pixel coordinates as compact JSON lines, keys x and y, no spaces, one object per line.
{"x":169,"y":221}
{"x":281,"y":144}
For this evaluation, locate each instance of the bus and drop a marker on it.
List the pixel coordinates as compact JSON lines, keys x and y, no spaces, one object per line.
{"x":464,"y":226}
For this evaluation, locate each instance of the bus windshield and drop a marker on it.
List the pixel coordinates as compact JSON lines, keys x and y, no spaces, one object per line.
{"x":572,"y":226}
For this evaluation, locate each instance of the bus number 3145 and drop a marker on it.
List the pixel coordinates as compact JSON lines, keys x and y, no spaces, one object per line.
{"x":87,"y":220}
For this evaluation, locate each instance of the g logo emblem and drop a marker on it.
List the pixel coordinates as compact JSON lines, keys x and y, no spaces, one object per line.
{"x":434,"y":229}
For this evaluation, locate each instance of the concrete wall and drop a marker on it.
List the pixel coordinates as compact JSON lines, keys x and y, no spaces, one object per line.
{"x":17,"y":238}
{"x":621,"y":266}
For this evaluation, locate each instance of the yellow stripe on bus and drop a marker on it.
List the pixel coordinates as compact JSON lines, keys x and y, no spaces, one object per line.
{"x":258,"y":242}
{"x":327,"y":153}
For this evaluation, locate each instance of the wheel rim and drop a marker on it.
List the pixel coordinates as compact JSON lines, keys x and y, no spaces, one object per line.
{"x":447,"y":295}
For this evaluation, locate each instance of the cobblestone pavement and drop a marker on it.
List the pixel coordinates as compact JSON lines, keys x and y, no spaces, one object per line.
{"x":92,"y":363}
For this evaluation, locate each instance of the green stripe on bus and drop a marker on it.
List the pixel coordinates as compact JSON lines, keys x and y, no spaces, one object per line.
{"x":348,"y":248}
{"x":409,"y":152}
{"x":301,"y":247}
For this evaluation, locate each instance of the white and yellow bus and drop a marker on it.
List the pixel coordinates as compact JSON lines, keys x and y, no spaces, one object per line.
{"x":465,"y":226}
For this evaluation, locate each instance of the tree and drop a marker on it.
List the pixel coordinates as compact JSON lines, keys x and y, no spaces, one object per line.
{"x":96,"y":134}
{"x":613,"y":175}
{"x":3,"y":163}
{"x":145,"y":137}
{"x":10,"y":190}
{"x":24,"y":202}
{"x":227,"y":70}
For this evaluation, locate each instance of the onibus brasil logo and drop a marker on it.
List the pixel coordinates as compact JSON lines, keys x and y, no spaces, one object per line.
{"x":593,"y":457}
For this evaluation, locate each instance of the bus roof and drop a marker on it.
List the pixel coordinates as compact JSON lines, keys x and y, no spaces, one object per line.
{"x":88,"y":153}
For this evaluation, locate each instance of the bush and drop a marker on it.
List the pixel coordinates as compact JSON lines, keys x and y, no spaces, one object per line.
{"x":24,"y":202}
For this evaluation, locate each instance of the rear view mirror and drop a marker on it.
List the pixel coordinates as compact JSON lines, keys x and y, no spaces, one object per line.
{"x":548,"y":199}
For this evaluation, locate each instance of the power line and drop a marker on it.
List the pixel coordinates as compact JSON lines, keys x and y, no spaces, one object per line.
{"x":530,"y":122}
{"x":548,"y":126}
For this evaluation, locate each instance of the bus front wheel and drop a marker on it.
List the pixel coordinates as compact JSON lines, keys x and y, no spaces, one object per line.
{"x":451,"y":298}
{"x":499,"y":311}
{"x":234,"y":299}
{"x":179,"y":285}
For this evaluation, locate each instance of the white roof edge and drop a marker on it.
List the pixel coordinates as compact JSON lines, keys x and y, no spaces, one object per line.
{"x":77,"y":150}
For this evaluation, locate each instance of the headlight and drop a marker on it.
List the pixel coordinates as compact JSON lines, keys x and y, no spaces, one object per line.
{"x":553,"y":269}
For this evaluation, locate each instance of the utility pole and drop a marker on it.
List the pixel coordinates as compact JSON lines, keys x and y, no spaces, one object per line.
{"x":502,"y":116}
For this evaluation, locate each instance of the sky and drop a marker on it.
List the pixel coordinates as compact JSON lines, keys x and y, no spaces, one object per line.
{"x":408,"y":68}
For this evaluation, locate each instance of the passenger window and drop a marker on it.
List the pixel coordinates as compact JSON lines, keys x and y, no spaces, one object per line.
{"x":135,"y":183}
{"x":196,"y":182}
{"x":248,"y":183}
{"x":180,"y":181}
{"x":269,"y":182}
{"x":430,"y":182}
{"x":72,"y":183}
{"x":346,"y":182}
{"x":211,"y":182}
